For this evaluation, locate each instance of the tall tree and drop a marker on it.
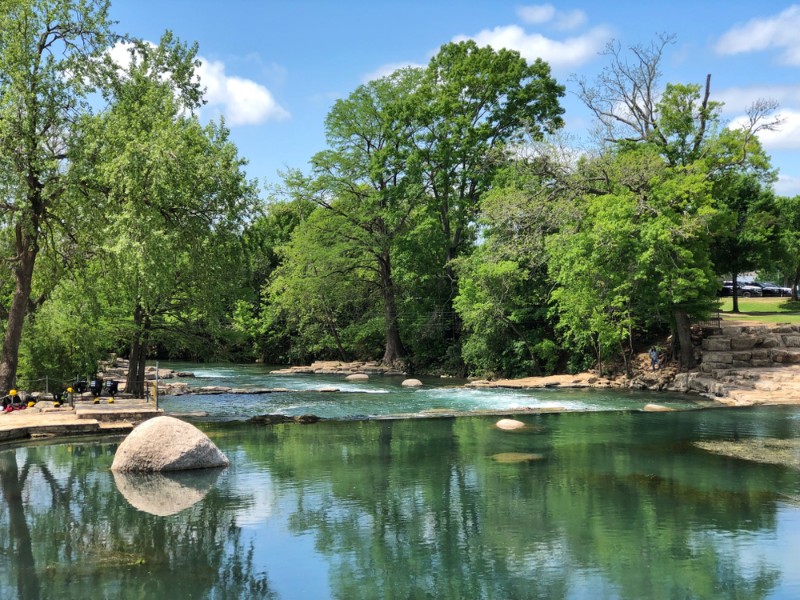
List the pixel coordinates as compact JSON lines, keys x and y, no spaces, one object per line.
{"x":747,"y":226}
{"x":474,"y":107}
{"x":369,"y":178}
{"x":48,"y":49}
{"x":174,"y":192}
{"x":682,"y":124}
{"x":789,"y":233}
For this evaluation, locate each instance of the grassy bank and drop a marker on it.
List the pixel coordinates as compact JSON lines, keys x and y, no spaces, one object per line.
{"x":761,"y":310}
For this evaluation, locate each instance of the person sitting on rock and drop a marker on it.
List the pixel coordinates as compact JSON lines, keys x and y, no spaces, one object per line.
{"x":10,"y":400}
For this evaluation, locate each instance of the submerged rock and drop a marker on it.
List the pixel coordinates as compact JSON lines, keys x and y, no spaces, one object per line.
{"x":278,"y":419}
{"x":411,"y":383}
{"x":657,"y":408}
{"x":509,"y":424}
{"x":516,"y":457}
{"x":768,"y":450}
{"x":167,"y":444}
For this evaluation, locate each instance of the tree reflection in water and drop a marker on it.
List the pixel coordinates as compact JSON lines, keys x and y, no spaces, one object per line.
{"x":69,"y":534}
{"x":621,"y":505}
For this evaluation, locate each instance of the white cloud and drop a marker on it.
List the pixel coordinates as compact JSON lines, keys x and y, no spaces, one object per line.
{"x":738,"y":99}
{"x":546,"y":13}
{"x":568,"y":53}
{"x":388,"y":69}
{"x":240,"y":101}
{"x":785,"y":137}
{"x":779,"y":31}
{"x":538,"y":13}
{"x":787,"y":185}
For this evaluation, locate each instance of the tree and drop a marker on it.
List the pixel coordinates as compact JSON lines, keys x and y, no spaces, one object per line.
{"x":48,"y":50}
{"x":682,"y":125}
{"x":370,"y":179}
{"x":504,"y":286}
{"x":789,"y":233}
{"x":474,"y":108}
{"x":746,"y":229}
{"x":324,"y":300}
{"x":174,"y":194}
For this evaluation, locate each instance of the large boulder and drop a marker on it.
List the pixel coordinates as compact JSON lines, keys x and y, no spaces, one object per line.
{"x":411,"y":383}
{"x":167,"y":444}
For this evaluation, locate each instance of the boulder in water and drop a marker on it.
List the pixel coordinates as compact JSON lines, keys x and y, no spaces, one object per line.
{"x":167,"y":444}
{"x":509,"y":424}
{"x":412,"y":383}
{"x":357,"y":377}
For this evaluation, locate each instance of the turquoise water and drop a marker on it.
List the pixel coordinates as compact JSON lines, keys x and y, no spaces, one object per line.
{"x":610,"y":505}
{"x":382,"y":396}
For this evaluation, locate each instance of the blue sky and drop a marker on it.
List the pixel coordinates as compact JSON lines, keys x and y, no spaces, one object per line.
{"x":273,"y":68}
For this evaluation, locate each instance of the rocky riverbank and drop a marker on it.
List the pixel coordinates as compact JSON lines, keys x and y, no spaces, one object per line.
{"x":738,"y":366}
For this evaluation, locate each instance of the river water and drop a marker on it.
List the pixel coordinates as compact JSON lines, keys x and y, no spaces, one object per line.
{"x":381,"y":396}
{"x":602,"y":503}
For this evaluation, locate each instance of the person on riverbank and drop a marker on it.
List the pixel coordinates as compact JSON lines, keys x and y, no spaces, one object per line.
{"x":10,"y":401}
{"x":655,"y":361}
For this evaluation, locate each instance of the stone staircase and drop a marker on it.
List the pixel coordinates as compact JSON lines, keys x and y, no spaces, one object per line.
{"x":747,"y":365}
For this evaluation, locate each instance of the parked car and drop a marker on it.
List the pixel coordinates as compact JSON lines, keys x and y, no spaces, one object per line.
{"x":775,"y":289}
{"x":745,"y":290}
{"x":768,"y":289}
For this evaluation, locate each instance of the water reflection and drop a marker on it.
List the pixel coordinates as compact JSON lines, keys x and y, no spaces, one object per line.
{"x":165,"y":494}
{"x":591,"y":506}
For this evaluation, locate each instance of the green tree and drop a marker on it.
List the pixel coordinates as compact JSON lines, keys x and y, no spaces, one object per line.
{"x":504,"y":286}
{"x":370,"y":179}
{"x":746,"y":229}
{"x":48,"y":49}
{"x":324,"y":300}
{"x":682,"y":126}
{"x":789,"y":234}
{"x":474,"y":108}
{"x":175,"y":199}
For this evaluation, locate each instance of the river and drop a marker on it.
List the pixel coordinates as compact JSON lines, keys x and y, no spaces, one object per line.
{"x":605,"y":502}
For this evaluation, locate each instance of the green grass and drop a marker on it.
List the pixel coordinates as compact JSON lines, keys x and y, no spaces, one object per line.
{"x":761,"y":310}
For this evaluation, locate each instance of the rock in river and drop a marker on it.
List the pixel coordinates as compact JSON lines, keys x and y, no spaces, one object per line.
{"x":167,"y":444}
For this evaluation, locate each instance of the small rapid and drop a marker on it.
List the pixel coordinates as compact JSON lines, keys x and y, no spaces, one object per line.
{"x":332,"y":397}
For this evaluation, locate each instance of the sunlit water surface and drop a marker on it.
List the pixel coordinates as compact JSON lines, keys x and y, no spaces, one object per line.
{"x":381,"y":396}
{"x":598,"y":505}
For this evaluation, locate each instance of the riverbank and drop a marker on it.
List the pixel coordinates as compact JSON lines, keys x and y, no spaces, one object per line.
{"x":46,"y":421}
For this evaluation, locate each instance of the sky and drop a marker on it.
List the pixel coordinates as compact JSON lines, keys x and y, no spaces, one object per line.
{"x":274,"y":68}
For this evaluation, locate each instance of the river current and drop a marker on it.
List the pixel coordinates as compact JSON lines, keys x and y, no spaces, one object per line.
{"x":602,"y":501}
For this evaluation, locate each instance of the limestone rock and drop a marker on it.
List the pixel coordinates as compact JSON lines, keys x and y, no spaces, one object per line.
{"x":717,"y":344}
{"x":357,"y":377}
{"x":743,"y":342}
{"x":516,"y":457}
{"x":412,"y":383}
{"x":509,"y":424}
{"x":657,"y":408}
{"x":167,"y":444}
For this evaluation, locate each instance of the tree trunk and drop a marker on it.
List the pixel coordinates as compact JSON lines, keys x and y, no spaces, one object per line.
{"x":21,"y":559}
{"x":27,"y":251}
{"x":735,"y":292}
{"x":134,"y":383}
{"x":683,"y":332}
{"x":395,"y":352}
